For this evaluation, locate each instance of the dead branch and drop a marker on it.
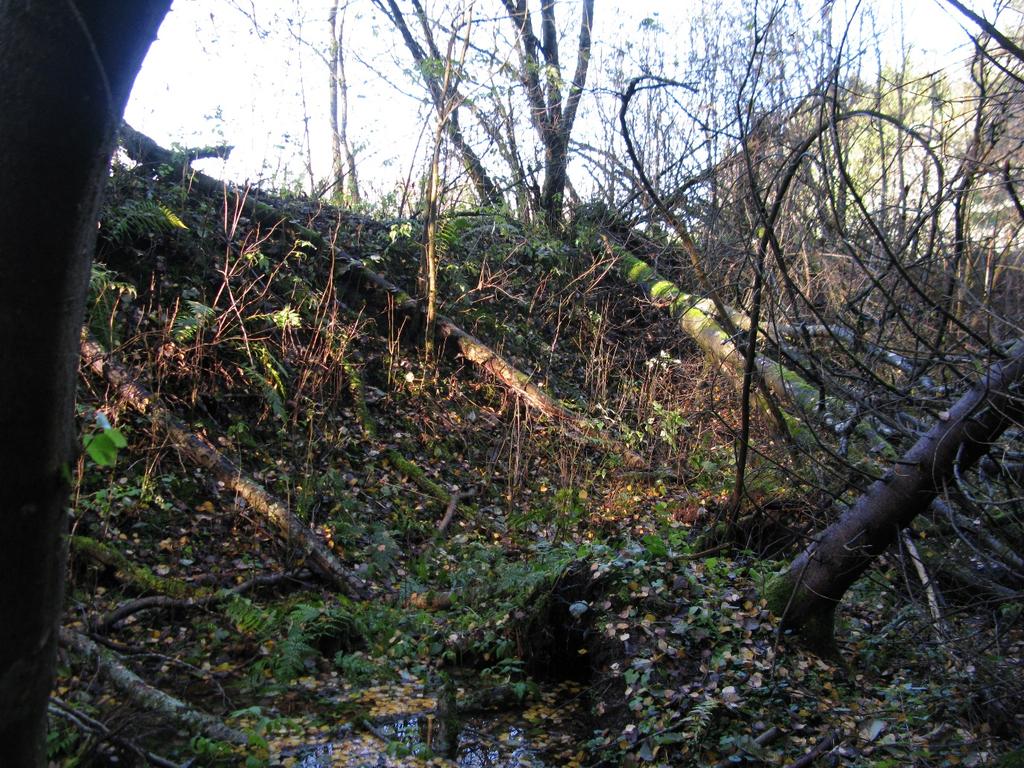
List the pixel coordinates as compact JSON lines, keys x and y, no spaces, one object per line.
{"x":123,"y":611}
{"x":201,"y":452}
{"x":145,"y":695}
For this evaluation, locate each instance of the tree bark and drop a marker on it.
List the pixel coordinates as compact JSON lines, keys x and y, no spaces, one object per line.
{"x":66,"y":70}
{"x":806,"y":594}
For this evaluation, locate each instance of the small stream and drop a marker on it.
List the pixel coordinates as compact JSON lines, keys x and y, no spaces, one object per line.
{"x":542,"y":734}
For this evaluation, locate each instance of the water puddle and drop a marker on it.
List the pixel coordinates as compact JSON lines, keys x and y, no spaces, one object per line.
{"x":542,"y":734}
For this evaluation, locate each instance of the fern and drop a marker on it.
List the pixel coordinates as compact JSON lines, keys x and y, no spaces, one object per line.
{"x":141,"y":218}
{"x":698,"y":718}
{"x":294,"y":635}
{"x":306,"y":625}
{"x":269,"y":379}
{"x":450,"y":232}
{"x":291,"y":655}
{"x":188,"y":324}
{"x":106,"y":292}
{"x":250,"y":619}
{"x":103,"y":281}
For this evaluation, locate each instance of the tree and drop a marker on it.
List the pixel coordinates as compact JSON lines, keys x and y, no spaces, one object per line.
{"x":66,"y":71}
{"x":346,"y":182}
{"x":806,"y":594}
{"x":551,"y":115}
{"x":432,"y":67}
{"x":445,"y":112}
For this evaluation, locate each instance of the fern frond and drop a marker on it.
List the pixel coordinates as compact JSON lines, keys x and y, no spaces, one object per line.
{"x":140,"y":218}
{"x":250,"y":619}
{"x":103,"y":280}
{"x":188,"y":324}
{"x":449,"y":232}
{"x":699,"y":717}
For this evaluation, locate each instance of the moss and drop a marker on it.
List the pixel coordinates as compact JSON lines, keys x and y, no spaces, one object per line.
{"x":635,"y":270}
{"x":712,"y":537}
{"x":663,"y":289}
{"x":778,"y":592}
{"x":815,"y":632}
{"x":418,"y":476}
{"x":138,"y":575}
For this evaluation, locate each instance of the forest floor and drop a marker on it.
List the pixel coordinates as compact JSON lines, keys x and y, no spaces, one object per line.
{"x":574,"y":611}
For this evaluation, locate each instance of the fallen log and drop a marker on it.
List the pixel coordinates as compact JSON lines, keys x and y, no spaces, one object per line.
{"x":493,"y":363}
{"x":199,"y":600}
{"x":137,"y":575}
{"x":200,"y":451}
{"x":696,"y":318}
{"x":145,"y":695}
{"x":806,"y":594}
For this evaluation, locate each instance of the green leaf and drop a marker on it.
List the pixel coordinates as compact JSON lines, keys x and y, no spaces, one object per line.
{"x":655,"y":545}
{"x":116,"y":437}
{"x":101,"y":449}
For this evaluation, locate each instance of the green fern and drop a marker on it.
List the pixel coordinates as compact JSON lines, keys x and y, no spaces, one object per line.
{"x":140,"y":218}
{"x":250,"y":619}
{"x":698,"y":718}
{"x":103,"y":281}
{"x":188,"y":324}
{"x":106,"y":292}
{"x":291,"y":654}
{"x":269,"y":378}
{"x":449,"y":232}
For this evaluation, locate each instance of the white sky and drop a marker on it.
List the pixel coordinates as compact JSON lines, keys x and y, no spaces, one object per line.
{"x":208,"y":61}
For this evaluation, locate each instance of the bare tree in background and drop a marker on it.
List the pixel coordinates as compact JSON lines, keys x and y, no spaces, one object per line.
{"x":432,"y":66}
{"x":346,"y":180}
{"x":540,"y":72}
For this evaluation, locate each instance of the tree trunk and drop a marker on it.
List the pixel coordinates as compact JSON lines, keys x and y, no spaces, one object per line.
{"x":552,"y":118}
{"x":65,"y":74}
{"x":346,"y":183}
{"x":337,"y":166}
{"x":806,"y":594}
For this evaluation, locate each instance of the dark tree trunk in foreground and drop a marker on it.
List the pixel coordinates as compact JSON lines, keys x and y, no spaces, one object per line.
{"x":806,"y":594}
{"x":66,"y":70}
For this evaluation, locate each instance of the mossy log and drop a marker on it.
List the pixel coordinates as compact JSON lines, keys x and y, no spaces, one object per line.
{"x":200,"y":451}
{"x":696,"y":318}
{"x":145,"y":696}
{"x":138,"y":575}
{"x":202,"y":598}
